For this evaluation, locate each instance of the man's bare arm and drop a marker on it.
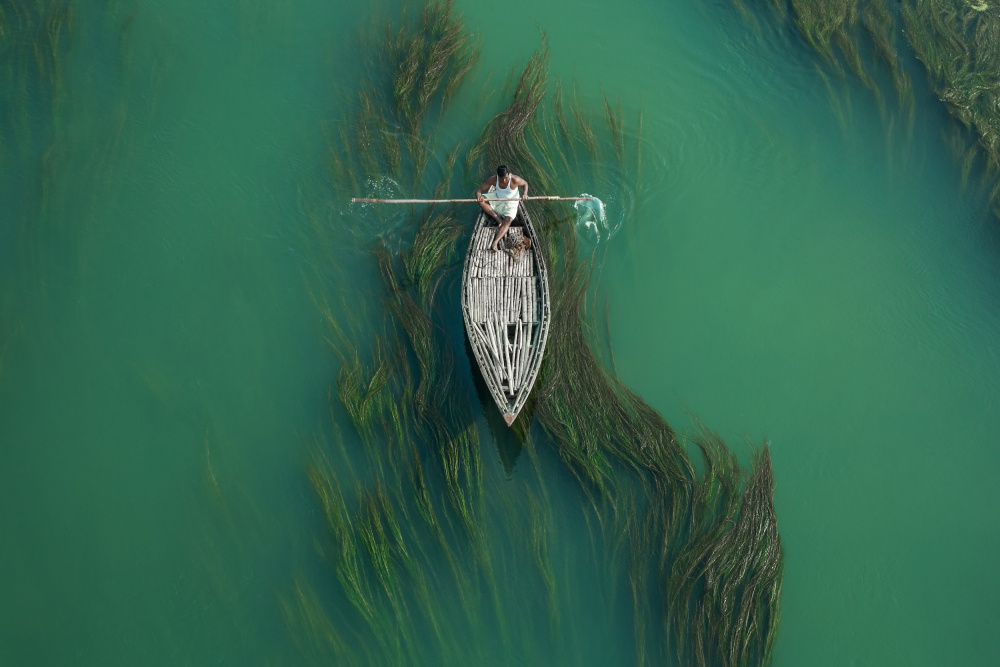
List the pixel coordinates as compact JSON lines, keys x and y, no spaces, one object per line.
{"x":521,"y":183}
{"x":484,"y":186}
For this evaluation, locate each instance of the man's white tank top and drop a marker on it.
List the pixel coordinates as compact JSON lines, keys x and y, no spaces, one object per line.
{"x":507,"y":192}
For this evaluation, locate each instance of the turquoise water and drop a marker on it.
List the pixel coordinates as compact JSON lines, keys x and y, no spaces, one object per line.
{"x":790,"y":264}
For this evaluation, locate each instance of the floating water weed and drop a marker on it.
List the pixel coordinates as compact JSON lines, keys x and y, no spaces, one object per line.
{"x":465,"y":58}
{"x":957,"y":41}
{"x":601,"y":429}
{"x":348,"y":158}
{"x":728,"y":577}
{"x":616,"y":125}
{"x":34,"y":40}
{"x":441,"y":190}
{"x":879,"y":24}
{"x":423,"y":61}
{"x":347,"y":564}
{"x":38,"y":132}
{"x":960,"y":46}
{"x":540,"y":550}
{"x":584,"y":132}
{"x":364,"y":138}
{"x":558,"y":102}
{"x":503,"y":142}
{"x":538,"y":135}
{"x":423,"y":516}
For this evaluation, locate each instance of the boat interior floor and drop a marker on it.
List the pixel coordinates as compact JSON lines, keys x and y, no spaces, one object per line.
{"x":493,"y":223}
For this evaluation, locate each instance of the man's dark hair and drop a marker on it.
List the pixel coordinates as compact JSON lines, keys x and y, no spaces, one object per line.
{"x":502,"y":171}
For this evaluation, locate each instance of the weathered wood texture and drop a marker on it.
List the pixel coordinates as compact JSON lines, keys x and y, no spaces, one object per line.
{"x":505,"y":304}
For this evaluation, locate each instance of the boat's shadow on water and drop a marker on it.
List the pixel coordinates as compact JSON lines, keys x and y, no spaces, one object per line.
{"x":509,"y":441}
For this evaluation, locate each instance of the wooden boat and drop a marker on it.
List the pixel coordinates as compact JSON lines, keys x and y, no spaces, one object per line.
{"x":506,"y":307}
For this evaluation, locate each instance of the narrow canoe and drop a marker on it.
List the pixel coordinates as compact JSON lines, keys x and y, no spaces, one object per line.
{"x":506,"y":307}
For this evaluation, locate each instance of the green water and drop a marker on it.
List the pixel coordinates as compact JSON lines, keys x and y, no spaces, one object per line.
{"x":787,"y":265}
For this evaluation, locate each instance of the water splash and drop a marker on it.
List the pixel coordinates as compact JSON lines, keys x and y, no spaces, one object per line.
{"x":381,"y":187}
{"x":372,"y":221}
{"x":592,"y":219}
{"x":600,"y":219}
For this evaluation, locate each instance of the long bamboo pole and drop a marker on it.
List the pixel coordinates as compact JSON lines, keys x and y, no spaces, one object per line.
{"x":517,"y":358}
{"x":508,"y":355}
{"x":363,"y":200}
{"x":488,"y":347}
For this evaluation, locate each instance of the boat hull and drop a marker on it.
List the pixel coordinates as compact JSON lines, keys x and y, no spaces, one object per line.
{"x":506,"y":308}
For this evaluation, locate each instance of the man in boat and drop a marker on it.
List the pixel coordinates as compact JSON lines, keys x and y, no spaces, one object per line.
{"x":501,"y":204}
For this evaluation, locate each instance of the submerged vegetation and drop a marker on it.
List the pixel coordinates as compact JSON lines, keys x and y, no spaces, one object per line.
{"x":46,"y":106}
{"x":958,"y":41}
{"x":35,"y":37}
{"x":420,"y":532}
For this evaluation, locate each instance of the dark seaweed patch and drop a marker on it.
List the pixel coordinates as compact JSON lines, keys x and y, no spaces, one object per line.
{"x":699,"y":553}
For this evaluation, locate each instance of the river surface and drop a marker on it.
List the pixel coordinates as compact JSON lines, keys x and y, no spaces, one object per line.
{"x":791,"y":263}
